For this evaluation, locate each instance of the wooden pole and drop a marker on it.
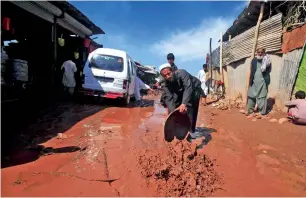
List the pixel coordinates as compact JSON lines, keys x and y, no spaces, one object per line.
{"x":221,"y":50}
{"x":211,"y":67}
{"x":254,"y":47}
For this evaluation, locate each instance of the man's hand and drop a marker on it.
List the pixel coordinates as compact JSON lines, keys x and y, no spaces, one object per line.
{"x":183,"y":108}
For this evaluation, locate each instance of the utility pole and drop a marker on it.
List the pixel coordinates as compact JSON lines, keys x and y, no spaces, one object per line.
{"x":210,"y":63}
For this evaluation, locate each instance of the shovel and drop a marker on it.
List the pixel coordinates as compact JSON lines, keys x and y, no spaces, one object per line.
{"x":176,"y":125}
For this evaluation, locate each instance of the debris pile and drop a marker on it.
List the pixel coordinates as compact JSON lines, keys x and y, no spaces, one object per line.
{"x":227,"y":104}
{"x":179,"y":171}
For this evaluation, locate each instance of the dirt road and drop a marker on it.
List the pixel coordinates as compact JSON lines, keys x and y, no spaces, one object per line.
{"x":115,"y":151}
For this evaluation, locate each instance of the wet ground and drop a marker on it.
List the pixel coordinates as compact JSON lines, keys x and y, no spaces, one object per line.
{"x":96,"y":150}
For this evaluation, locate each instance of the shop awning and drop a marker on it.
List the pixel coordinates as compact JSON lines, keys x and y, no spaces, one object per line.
{"x":48,"y":11}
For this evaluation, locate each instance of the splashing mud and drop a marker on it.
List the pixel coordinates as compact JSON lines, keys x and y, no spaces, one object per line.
{"x":176,"y":173}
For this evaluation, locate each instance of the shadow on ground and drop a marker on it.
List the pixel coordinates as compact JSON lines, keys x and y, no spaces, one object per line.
{"x":206,"y":133}
{"x":31,"y":154}
{"x":27,"y":123}
{"x":270,"y":104}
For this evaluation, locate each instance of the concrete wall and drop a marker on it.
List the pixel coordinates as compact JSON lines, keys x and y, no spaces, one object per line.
{"x":236,"y":77}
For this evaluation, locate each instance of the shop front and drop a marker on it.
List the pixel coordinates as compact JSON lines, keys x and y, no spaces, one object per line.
{"x":36,"y":38}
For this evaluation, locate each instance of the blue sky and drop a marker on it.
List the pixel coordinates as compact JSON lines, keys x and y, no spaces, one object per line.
{"x":148,"y":31}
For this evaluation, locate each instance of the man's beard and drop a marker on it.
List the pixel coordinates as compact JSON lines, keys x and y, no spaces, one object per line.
{"x":172,"y":79}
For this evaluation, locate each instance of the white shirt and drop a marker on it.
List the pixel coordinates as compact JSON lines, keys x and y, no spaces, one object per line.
{"x":68,"y":77}
{"x":139,"y":84}
{"x":202,"y":77}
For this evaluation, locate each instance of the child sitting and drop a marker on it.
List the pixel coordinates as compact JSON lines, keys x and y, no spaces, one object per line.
{"x":297,"y":108}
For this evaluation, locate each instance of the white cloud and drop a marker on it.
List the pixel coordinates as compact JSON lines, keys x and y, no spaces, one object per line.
{"x":193,"y":44}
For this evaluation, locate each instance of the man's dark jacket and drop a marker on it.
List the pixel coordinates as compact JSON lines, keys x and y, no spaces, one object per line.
{"x":181,"y":90}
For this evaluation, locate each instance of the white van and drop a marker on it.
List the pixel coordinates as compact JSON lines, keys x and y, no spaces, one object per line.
{"x":109,"y":73}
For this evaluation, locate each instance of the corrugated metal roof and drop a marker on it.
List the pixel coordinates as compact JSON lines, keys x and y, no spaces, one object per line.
{"x":249,"y":16}
{"x":78,"y":15}
{"x":270,"y":32}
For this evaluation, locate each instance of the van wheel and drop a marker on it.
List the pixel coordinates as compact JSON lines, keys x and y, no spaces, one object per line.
{"x":126,"y":100}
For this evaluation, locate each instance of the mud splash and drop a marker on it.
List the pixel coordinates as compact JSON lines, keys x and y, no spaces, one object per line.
{"x":178,"y":171}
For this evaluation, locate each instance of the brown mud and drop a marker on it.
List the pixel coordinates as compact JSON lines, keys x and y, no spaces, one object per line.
{"x":178,"y":171}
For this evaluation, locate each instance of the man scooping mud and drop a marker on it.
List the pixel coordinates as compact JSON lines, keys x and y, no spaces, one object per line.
{"x":181,"y":91}
{"x":170,"y":58}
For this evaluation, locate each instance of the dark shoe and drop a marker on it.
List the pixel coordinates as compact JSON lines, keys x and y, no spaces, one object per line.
{"x":193,"y":136}
{"x":189,"y":138}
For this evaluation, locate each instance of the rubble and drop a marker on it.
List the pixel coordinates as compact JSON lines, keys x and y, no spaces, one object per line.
{"x":227,"y":104}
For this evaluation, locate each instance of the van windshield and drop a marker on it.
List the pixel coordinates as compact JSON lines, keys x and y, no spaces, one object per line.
{"x":106,"y":62}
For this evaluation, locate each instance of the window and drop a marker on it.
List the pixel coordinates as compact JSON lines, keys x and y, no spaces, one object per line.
{"x":133,"y":67}
{"x":129,"y":67}
{"x":107,"y":62}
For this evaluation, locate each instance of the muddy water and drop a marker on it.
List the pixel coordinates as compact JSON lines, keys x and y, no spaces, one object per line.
{"x":106,"y":163}
{"x":121,"y":152}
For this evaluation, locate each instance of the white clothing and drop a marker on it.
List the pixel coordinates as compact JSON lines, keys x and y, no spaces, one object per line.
{"x":139,"y":84}
{"x":202,"y":77}
{"x":163,"y":66}
{"x":68,"y":77}
{"x":70,"y":90}
{"x":266,"y":62}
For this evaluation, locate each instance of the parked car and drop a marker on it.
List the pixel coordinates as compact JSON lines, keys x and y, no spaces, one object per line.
{"x":109,"y":73}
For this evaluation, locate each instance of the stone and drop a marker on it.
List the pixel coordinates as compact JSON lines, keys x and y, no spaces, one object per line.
{"x":61,"y":136}
{"x":242,"y":111}
{"x":282,"y":120}
{"x":273,"y":120}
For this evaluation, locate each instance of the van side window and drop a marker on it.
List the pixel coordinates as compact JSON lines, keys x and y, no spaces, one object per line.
{"x":129,"y":67}
{"x":133,"y":68}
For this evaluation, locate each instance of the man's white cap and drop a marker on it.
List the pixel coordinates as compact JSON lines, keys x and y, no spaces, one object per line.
{"x":163,"y":66}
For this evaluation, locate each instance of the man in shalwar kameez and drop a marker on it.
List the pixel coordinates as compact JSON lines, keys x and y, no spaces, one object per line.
{"x":259,"y":81}
{"x":182,"y":91}
{"x":202,"y":77}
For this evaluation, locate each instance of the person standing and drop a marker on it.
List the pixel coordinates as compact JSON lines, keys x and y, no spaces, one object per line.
{"x":202,"y":77}
{"x":69,"y":69}
{"x":170,"y":58}
{"x":182,"y":91}
{"x":259,"y":81}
